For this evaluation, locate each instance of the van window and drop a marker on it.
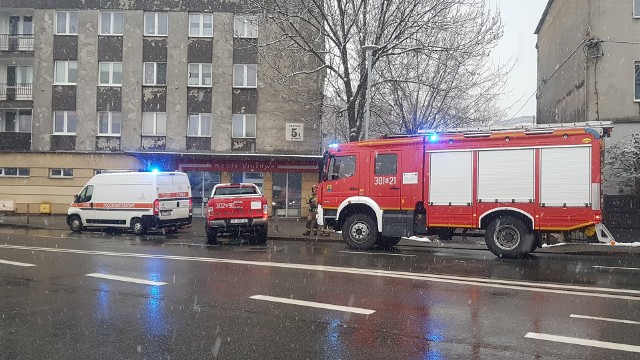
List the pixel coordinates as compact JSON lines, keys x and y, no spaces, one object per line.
{"x":342,"y":167}
{"x":244,"y":190}
{"x":386,"y":164}
{"x":86,"y":194}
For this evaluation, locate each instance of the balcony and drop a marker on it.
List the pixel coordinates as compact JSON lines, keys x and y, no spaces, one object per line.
{"x":16,"y":92}
{"x":16,"y":43}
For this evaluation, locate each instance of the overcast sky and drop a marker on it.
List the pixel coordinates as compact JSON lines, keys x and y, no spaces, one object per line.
{"x":519,"y":45}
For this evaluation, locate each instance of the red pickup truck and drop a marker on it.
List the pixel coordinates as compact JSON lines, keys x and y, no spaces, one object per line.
{"x":236,"y":209}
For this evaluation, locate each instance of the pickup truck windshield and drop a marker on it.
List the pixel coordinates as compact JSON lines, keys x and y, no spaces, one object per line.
{"x":225,"y":191}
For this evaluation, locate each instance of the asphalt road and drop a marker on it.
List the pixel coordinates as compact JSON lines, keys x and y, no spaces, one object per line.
{"x":99,"y":296}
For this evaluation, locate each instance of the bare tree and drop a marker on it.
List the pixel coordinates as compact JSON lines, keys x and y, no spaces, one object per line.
{"x":623,"y":164}
{"x":327,"y":37}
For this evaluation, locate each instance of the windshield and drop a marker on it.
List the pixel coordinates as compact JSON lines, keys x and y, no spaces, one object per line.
{"x":244,"y":190}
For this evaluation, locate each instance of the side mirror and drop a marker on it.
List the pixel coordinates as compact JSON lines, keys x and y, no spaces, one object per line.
{"x":76,"y":198}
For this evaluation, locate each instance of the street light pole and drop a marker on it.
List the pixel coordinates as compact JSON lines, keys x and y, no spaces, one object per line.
{"x":368,"y":49}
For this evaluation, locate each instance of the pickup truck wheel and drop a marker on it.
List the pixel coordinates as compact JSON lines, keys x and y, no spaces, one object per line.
{"x":138,"y":227}
{"x":261,"y":236}
{"x":75,"y":223}
{"x":360,"y":232}
{"x":509,"y":237}
{"x":386,"y":242}
{"x":212,"y":236}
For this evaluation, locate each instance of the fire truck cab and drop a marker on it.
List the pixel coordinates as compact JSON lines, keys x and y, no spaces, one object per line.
{"x":514,"y":183}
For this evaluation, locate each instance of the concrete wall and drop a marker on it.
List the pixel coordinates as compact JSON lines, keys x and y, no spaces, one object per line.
{"x":177,"y":44}
{"x":39,"y":188}
{"x":561,"y":97}
{"x":222,"y":81}
{"x":132,"y":80}
{"x":42,"y":125}
{"x":87,"y":87}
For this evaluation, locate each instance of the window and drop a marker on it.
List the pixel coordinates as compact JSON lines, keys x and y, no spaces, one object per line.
{"x":341,"y":167}
{"x":637,"y":82}
{"x":86,"y":194}
{"x":64,"y":122}
{"x":110,"y":73}
{"x":15,"y":172}
{"x":199,"y":74}
{"x":111,"y":23}
{"x":245,"y":26}
{"x":66,"y":73}
{"x":154,"y":124}
{"x":109,"y":123}
{"x":386,"y":164}
{"x":61,"y":173}
{"x":16,"y":121}
{"x":199,"y":125}
{"x":245,"y":75}
{"x":156,"y":24}
{"x":155,"y":73}
{"x":201,"y":25}
{"x":66,"y":23}
{"x":243,"y":126}
{"x":636,"y":8}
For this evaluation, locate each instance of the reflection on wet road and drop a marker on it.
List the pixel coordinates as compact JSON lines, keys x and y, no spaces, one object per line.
{"x":94,"y":295}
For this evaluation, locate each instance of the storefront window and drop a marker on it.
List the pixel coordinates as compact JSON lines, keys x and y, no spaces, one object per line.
{"x":287,"y":194}
{"x":248,"y":177}
{"x":202,"y":183}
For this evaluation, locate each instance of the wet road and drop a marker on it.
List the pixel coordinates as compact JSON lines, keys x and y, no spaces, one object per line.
{"x":98,"y":296}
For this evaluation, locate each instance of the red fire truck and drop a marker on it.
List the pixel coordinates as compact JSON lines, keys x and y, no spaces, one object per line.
{"x":514,"y":183}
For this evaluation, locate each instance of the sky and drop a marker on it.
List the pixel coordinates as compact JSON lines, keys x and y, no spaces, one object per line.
{"x":518,"y":45}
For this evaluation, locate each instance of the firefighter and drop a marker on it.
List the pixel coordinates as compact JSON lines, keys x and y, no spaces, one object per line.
{"x":312,"y":223}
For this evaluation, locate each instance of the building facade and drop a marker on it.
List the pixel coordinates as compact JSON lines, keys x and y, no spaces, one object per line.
{"x":90,"y":86}
{"x":589,"y":65}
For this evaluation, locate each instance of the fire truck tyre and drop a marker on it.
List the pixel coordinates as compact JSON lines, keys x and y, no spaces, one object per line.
{"x":386,"y":242}
{"x":138,"y":227}
{"x":445,"y":234}
{"x":75,"y":223}
{"x":509,"y":237}
{"x":261,"y":236}
{"x":360,"y":232}
{"x":212,"y":236}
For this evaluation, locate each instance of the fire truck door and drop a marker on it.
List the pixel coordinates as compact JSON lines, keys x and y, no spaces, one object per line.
{"x":385,"y":180}
{"x":342,"y":180}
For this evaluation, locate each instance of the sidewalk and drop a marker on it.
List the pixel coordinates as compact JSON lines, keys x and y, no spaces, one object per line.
{"x":292,"y":229}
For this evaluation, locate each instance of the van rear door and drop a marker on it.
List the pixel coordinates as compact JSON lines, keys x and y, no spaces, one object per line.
{"x":173,"y":195}
{"x":182,"y":188}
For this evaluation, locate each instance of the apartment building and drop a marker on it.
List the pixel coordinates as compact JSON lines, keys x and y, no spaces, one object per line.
{"x":589,"y":65}
{"x":97,"y":86}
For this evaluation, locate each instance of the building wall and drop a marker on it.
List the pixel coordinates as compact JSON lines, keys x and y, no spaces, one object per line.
{"x":561,"y":95}
{"x":40,"y":188}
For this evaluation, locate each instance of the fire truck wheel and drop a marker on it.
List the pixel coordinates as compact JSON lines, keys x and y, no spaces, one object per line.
{"x":212,"y":236}
{"x":360,"y":232}
{"x":387,"y":241}
{"x":509,"y":237}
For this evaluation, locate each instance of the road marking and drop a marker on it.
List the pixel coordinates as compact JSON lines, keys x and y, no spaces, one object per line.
{"x":15,"y":263}
{"x":584,"y":342}
{"x":127,"y":279}
{"x":608,"y":293}
{"x":616,"y":267}
{"x":372,"y":253}
{"x":605,"y":319}
{"x":314,"y":304}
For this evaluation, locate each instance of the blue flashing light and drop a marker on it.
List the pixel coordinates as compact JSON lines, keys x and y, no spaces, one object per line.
{"x":433,"y":137}
{"x":155,"y":170}
{"x":333,"y":146}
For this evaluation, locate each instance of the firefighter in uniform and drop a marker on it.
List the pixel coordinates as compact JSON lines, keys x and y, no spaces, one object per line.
{"x":312,"y":223}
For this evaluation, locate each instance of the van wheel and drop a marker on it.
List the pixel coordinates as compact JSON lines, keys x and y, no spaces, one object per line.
{"x":360,"y":232}
{"x":137,"y":226}
{"x":75,"y":223}
{"x":509,"y":237}
{"x":212,"y":236}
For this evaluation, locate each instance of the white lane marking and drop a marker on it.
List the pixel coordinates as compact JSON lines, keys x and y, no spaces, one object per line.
{"x":502,"y":284}
{"x":616,"y":267}
{"x":604,"y":319}
{"x":584,"y":342}
{"x":372,"y":253}
{"x":126,"y":279}
{"x":313,"y":304}
{"x":15,"y":263}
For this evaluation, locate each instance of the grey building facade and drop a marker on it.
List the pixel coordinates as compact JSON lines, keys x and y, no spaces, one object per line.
{"x":174,"y":85}
{"x":589,"y":65}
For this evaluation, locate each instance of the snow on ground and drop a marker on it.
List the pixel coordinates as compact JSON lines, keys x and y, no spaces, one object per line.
{"x":552,"y":245}
{"x":418,"y":238}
